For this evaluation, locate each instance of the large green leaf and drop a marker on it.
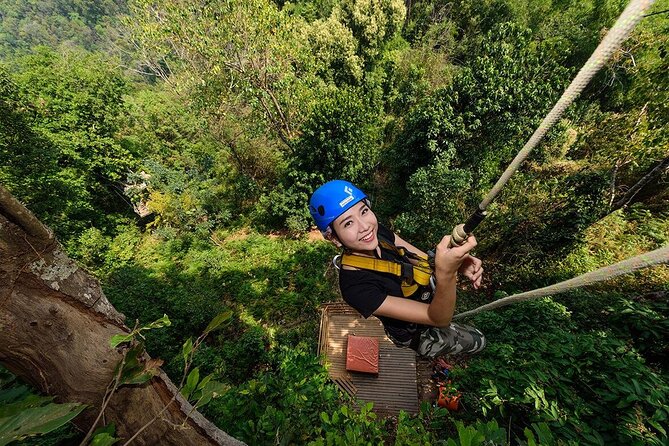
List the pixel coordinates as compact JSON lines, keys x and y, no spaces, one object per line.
{"x":218,"y":321}
{"x":119,"y":339}
{"x":187,"y":349}
{"x":191,"y":382}
{"x":104,"y":436}
{"x":7,"y":410}
{"x":37,"y":421}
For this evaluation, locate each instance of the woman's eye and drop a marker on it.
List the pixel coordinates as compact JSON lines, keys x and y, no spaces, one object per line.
{"x":347,"y":224}
{"x":364,"y":211}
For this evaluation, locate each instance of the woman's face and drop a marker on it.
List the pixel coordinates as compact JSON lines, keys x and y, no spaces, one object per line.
{"x":357,"y":227}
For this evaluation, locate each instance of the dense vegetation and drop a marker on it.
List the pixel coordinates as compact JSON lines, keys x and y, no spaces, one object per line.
{"x":221,"y":117}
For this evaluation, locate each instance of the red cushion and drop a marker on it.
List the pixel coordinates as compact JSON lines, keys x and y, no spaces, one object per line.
{"x":362,"y":354}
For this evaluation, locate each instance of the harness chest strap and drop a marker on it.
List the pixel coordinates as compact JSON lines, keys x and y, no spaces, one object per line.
{"x":419,"y":274}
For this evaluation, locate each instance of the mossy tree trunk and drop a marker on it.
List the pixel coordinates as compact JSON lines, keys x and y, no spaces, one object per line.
{"x":55,"y":327}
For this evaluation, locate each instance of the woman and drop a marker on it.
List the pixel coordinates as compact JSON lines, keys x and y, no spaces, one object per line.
{"x":380,"y":274}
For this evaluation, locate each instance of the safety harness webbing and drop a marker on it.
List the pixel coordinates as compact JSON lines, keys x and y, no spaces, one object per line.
{"x":412,"y":275}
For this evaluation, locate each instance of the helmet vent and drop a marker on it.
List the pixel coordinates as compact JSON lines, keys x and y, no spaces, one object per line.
{"x":321,"y":210}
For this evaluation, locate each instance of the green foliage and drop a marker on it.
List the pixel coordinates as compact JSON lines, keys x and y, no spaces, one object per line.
{"x":477,"y":434}
{"x":104,"y":436}
{"x":443,"y":150}
{"x":509,"y":70}
{"x":272,"y":285}
{"x":341,"y":138}
{"x":201,"y":391}
{"x":345,"y":426}
{"x":373,"y":22}
{"x":24,"y":414}
{"x":59,"y":138}
{"x":78,"y":97}
{"x":437,"y":194}
{"x":282,"y":206}
{"x":335,"y":51}
{"x":27,"y":159}
{"x":116,"y":340}
{"x":187,"y":178}
{"x":28,"y":24}
{"x":644,"y":321}
{"x":567,"y":376}
{"x":619,"y":235}
{"x":281,"y":404}
{"x":231,"y":64}
{"x":243,"y":356}
{"x":412,"y":430}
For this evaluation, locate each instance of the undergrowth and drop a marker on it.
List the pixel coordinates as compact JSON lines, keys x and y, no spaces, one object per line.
{"x":587,"y":367}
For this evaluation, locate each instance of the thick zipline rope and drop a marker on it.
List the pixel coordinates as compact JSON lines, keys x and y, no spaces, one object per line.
{"x":611,"y":42}
{"x":630,"y":265}
{"x":632,"y":14}
{"x":629,"y":18}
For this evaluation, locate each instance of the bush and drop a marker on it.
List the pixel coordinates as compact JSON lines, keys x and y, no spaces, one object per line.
{"x":546,"y":369}
{"x":281,"y":404}
{"x":243,"y":355}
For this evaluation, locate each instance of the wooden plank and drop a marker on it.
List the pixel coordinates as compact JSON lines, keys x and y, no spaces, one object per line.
{"x":395,"y":387}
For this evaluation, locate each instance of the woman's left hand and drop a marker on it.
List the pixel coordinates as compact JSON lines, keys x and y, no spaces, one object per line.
{"x":472,"y":269}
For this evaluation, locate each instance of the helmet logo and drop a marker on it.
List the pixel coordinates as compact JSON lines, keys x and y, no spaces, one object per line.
{"x":348,"y":199}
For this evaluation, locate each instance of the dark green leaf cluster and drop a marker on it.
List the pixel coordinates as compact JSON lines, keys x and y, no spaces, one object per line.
{"x":282,"y":402}
{"x":58,"y":138}
{"x":24,"y":414}
{"x":545,"y":368}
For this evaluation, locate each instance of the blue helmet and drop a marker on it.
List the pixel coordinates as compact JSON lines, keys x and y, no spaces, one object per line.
{"x":333,"y":199}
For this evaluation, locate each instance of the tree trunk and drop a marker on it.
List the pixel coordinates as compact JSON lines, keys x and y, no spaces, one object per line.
{"x":55,"y":327}
{"x":651,"y":175}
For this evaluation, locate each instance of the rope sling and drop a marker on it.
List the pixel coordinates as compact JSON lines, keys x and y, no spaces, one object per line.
{"x":629,"y":18}
{"x":627,"y":266}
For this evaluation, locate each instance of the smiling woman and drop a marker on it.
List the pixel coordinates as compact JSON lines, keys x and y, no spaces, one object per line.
{"x":356,"y":229}
{"x":383,"y":275}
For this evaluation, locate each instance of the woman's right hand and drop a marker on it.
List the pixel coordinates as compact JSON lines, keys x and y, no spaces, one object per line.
{"x":447,"y":260}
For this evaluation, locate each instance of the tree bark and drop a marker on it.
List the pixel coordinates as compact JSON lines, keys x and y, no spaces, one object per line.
{"x":55,"y":327}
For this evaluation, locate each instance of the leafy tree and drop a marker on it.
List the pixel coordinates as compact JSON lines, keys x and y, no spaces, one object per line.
{"x":373,"y":22}
{"x":479,"y":121}
{"x":341,"y":138}
{"x":26,"y":24}
{"x":241,"y":53}
{"x":335,"y":51}
{"x":68,"y":103}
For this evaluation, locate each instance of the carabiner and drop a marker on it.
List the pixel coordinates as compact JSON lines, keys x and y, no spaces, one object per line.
{"x":336,"y":261}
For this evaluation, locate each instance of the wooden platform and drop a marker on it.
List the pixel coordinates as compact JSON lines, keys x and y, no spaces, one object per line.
{"x":394,"y":388}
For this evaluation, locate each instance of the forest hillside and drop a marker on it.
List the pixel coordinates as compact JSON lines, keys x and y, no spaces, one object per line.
{"x":172,"y":147}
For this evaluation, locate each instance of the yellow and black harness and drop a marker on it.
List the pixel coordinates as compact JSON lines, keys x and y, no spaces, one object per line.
{"x":417,"y":272}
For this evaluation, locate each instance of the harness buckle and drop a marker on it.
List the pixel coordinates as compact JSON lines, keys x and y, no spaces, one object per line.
{"x":407,"y":272}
